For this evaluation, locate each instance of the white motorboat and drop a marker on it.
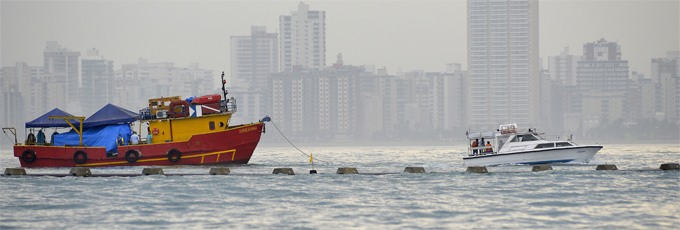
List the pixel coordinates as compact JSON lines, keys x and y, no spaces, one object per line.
{"x":509,"y":145}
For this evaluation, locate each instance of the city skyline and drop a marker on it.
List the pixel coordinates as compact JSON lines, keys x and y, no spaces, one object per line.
{"x":507,"y":82}
{"x":433,"y":34}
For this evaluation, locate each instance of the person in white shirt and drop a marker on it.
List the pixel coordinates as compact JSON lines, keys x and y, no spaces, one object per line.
{"x":134,"y":138}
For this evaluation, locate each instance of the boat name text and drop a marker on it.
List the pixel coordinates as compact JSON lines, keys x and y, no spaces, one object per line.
{"x":248,"y":129}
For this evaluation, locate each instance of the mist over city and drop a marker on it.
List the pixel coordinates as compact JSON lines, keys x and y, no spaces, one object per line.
{"x":356,"y":72}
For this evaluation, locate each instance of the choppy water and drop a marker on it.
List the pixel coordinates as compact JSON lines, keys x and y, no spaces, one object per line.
{"x":570,"y":196}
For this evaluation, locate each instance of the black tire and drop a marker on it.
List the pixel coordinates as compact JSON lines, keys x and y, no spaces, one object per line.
{"x":78,"y":159}
{"x":174,"y":152}
{"x":131,"y":156}
{"x":28,"y":155}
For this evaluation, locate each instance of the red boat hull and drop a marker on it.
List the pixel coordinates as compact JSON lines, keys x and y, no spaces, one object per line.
{"x":232,"y":146}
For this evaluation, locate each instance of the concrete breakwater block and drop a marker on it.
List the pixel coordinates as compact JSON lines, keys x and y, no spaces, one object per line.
{"x":670,"y":166}
{"x":220,"y":171}
{"x":477,"y":169}
{"x":78,"y":171}
{"x":414,"y":170}
{"x":152,"y":171}
{"x":538,"y":168}
{"x":606,"y":167}
{"x":288,"y":171}
{"x":15,"y":171}
{"x":347,"y":171}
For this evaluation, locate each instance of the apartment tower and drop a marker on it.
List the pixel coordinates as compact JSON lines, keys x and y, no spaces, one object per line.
{"x":503,"y":62}
{"x":303,"y":39}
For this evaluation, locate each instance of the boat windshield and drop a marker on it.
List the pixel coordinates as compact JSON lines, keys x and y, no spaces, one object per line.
{"x":526,"y":137}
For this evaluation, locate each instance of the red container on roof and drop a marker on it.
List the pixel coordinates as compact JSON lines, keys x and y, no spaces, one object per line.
{"x":207,"y":99}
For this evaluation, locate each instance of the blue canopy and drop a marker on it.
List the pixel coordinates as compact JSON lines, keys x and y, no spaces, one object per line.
{"x":110,"y":114}
{"x":44,"y":121}
{"x":100,"y":136}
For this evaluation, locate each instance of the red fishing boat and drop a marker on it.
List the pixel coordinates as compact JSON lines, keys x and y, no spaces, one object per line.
{"x":177,"y":132}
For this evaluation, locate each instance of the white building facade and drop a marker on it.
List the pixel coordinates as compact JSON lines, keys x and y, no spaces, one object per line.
{"x":303,"y":39}
{"x":97,"y":82}
{"x":563,"y":67}
{"x":503,"y":62}
{"x":61,"y":65}
{"x":253,"y":59}
{"x":602,"y":84}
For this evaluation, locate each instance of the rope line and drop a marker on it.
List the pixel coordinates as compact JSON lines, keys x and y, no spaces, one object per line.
{"x":291,"y":143}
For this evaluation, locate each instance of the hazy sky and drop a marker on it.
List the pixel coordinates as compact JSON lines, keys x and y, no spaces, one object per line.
{"x":408,"y":34}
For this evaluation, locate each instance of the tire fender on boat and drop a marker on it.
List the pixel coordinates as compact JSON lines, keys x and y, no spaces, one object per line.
{"x":28,"y":155}
{"x":173,"y":152}
{"x":131,"y":156}
{"x":78,"y":159}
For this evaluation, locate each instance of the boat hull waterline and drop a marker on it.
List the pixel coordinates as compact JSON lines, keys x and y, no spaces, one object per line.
{"x":537,"y":156}
{"x":232,"y":146}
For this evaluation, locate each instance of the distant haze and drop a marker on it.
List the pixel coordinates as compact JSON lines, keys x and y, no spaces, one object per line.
{"x":407,"y":34}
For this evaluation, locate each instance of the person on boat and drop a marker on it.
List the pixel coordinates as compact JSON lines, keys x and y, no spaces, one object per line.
{"x":474,"y":145}
{"x":148,"y":137}
{"x":480,"y":145}
{"x":120,"y":141}
{"x":134,"y":138}
{"x":488,"y":144}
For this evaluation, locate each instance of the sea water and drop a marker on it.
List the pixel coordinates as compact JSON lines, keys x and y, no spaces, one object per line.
{"x":446,"y":197}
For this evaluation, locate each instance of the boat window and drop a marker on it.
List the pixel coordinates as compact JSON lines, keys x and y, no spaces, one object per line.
{"x":546,"y":145}
{"x":212,"y":125}
{"x":562,"y":144}
{"x":520,"y":138}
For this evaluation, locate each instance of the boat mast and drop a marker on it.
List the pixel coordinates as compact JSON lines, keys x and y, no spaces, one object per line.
{"x":224,"y":91}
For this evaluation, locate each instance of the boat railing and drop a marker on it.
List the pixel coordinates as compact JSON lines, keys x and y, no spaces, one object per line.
{"x":481,"y":150}
{"x":47,"y":144}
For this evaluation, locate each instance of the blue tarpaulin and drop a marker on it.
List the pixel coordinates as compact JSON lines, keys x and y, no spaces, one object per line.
{"x":100,"y":136}
{"x":44,"y":121}
{"x":110,"y":114}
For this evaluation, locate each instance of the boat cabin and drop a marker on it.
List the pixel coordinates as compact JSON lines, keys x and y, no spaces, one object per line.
{"x":178,"y":119}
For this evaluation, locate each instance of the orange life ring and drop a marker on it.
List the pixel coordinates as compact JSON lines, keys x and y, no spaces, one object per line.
{"x":155,"y":131}
{"x":185,"y":109}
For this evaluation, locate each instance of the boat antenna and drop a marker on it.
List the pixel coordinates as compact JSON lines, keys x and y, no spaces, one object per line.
{"x":224,"y":91}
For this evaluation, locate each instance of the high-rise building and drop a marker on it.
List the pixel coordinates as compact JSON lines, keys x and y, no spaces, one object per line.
{"x":503,"y":62}
{"x":563,"y":67}
{"x":253,"y":58}
{"x":303,"y":39}
{"x":12,"y":104}
{"x":97,"y":82}
{"x":26,"y":86}
{"x":318,"y":103}
{"x":666,"y":76}
{"x":62,"y":65}
{"x":602,"y":83}
{"x":448,"y":104}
